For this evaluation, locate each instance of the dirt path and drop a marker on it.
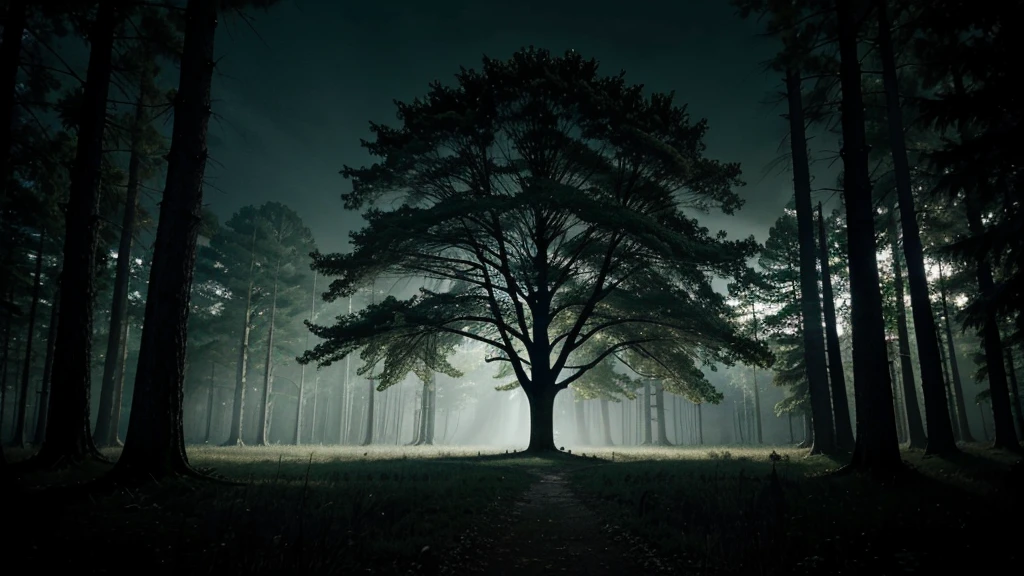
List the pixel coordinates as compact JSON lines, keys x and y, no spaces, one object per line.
{"x":550,"y":531}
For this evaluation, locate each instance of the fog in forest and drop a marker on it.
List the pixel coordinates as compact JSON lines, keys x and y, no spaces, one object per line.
{"x":533,"y":287}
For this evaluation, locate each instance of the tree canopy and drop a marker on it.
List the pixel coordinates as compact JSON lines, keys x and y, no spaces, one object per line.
{"x":554,"y":205}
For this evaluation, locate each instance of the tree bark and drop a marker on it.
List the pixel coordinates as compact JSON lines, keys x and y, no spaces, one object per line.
{"x":106,"y":428}
{"x":958,"y":387}
{"x":44,"y":387}
{"x":915,"y":428}
{"x":1002,"y":420}
{"x":837,"y":377}
{"x":810,"y":304}
{"x":648,"y":440}
{"x":238,"y":405}
{"x":431,"y":410}
{"x":1014,"y":391}
{"x":606,"y":423}
{"x":69,"y":436}
{"x":368,"y":431}
{"x":542,"y":413}
{"x":876,"y":447}
{"x":19,"y":421}
{"x":268,"y":368}
{"x":302,"y":371}
{"x":659,"y":411}
{"x":700,"y":426}
{"x":209,"y":402}
{"x":940,"y":431}
{"x":1005,"y":436}
{"x":155,"y":443}
{"x":951,"y":395}
{"x":581,"y":424}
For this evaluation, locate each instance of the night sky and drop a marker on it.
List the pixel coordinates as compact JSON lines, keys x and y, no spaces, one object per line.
{"x":296,"y":91}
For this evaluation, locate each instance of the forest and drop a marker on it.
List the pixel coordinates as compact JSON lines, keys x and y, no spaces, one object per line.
{"x":543,"y":317}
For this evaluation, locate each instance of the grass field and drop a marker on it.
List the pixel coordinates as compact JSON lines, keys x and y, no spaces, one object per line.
{"x":713,"y":512}
{"x":706,"y":511}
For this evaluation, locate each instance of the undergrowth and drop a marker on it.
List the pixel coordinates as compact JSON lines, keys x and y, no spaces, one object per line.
{"x":714,"y":511}
{"x":301,"y":511}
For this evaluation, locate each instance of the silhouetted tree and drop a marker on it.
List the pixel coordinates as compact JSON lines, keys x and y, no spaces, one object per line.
{"x":544,"y":194}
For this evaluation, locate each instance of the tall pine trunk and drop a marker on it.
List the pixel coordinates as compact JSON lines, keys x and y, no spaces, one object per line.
{"x":1014,"y":390}
{"x":69,"y":435}
{"x":238,"y":403}
{"x":44,"y":386}
{"x":876,"y":446}
{"x":19,"y":421}
{"x":302,"y":371}
{"x":648,"y":440}
{"x":106,"y":427}
{"x":268,"y":368}
{"x":210,"y":403}
{"x":155,"y":444}
{"x":368,"y":431}
{"x":954,"y":365}
{"x":431,"y":410}
{"x":1002,"y":420}
{"x":582,"y":437}
{"x":810,"y":305}
{"x":940,"y":430}
{"x":606,"y":423}
{"x":837,"y":377}
{"x":915,"y":428}
{"x":950,"y":394}
{"x":659,"y":411}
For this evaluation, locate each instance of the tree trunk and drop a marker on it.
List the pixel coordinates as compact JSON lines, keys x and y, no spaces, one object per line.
{"x":4,"y":363}
{"x":792,"y":440}
{"x":951,"y":395}
{"x":542,"y":413}
{"x":106,"y":428}
{"x":155,"y":443}
{"x":659,"y":411}
{"x":940,"y":431}
{"x":647,"y":413}
{"x":10,"y":61}
{"x":302,"y":371}
{"x":268,"y":368}
{"x":238,"y":405}
{"x":958,"y":387}
{"x":915,"y":428}
{"x":876,"y":446}
{"x":209,"y":402}
{"x":368,"y":431}
{"x":1002,"y":420}
{"x":1014,"y":391}
{"x":810,"y":305}
{"x":837,"y":377}
{"x":606,"y":423}
{"x":44,"y":387}
{"x":19,"y":421}
{"x":69,"y":437}
{"x":700,"y":426}
{"x":431,"y":410}
{"x":581,"y":424}
{"x":897,"y":405}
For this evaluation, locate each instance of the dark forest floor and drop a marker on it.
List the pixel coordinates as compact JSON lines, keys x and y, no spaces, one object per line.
{"x":454,"y":511}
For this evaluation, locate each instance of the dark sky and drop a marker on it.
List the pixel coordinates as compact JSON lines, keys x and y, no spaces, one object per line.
{"x":295,"y":96}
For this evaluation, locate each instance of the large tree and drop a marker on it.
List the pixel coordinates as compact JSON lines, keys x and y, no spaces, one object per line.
{"x":155,"y":445}
{"x":544,"y":195}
